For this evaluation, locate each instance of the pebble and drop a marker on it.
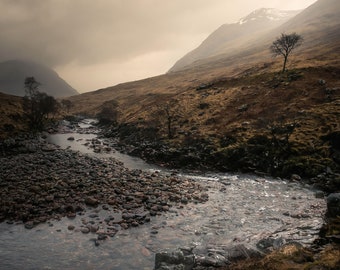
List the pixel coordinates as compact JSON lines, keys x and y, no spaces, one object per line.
{"x":39,"y":185}
{"x":85,"y":230}
{"x":29,"y":225}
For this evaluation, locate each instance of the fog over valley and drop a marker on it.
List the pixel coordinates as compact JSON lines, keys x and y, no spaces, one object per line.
{"x":98,"y":44}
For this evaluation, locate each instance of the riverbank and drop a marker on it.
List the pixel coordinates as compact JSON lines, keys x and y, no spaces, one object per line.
{"x":260,"y":155}
{"x":44,"y":182}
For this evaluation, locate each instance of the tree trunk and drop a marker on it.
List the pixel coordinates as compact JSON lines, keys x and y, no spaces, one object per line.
{"x":284,"y":64}
{"x":169,"y":128}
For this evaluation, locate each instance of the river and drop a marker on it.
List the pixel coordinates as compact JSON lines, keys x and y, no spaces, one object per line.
{"x":242,"y":209}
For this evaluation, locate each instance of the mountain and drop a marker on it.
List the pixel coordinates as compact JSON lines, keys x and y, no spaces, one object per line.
{"x":229,"y":37}
{"x":14,"y":72}
{"x":318,"y":24}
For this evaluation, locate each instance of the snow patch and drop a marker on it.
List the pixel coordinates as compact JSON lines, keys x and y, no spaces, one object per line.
{"x":270,"y":14}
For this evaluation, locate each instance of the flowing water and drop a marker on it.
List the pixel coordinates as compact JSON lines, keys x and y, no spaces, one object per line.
{"x":241,"y":209}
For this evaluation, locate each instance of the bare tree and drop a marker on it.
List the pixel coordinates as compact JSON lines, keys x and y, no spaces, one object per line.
{"x":168,"y":110}
{"x":168,"y":113}
{"x":67,"y":104}
{"x":37,"y":105}
{"x":284,"y":45}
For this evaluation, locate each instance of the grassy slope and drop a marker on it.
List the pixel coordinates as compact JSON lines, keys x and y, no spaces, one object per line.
{"x":11,"y":115}
{"x":244,"y":106}
{"x":289,"y":100}
{"x":247,"y":80}
{"x":291,"y":257}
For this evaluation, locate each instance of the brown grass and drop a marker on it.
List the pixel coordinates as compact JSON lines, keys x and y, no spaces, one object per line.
{"x":11,"y":116}
{"x":292,"y":257}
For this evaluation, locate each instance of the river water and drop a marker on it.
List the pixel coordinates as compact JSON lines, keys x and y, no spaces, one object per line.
{"x":242,"y":209}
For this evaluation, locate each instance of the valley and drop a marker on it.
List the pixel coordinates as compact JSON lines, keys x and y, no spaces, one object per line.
{"x":226,"y":140}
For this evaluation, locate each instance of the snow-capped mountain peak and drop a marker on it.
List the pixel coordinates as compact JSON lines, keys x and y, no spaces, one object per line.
{"x":270,"y":14}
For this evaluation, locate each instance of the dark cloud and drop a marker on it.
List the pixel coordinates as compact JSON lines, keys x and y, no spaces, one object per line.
{"x":58,"y":32}
{"x":85,"y":33}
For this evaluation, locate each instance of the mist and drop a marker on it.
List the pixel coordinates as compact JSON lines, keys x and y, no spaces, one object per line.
{"x":96,"y":44}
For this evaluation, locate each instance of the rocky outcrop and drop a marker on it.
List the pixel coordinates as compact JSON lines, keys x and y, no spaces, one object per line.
{"x":189,"y":258}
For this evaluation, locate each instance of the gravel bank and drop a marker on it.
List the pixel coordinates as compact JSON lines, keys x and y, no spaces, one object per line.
{"x":39,"y":182}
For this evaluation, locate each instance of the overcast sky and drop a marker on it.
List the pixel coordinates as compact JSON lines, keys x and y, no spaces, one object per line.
{"x":99,"y":43}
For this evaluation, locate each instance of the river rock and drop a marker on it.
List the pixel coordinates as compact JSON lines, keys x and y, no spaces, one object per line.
{"x":174,"y":260}
{"x":40,"y":185}
{"x":295,"y":177}
{"x":70,"y":227}
{"x":91,"y":201}
{"x":267,"y":245}
{"x":333,"y":205}
{"x":29,"y":225}
{"x":85,"y":230}
{"x":213,"y":260}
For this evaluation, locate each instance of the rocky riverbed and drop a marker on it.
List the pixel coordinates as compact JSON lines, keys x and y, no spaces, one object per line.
{"x":214,"y":218}
{"x":40,"y":182}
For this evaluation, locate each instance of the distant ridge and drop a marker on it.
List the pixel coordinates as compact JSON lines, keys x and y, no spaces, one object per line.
{"x":250,"y":38}
{"x":14,"y":72}
{"x":268,"y":14}
{"x":228,"y":37}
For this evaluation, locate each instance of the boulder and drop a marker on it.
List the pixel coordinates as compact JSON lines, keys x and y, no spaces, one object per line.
{"x":241,"y":252}
{"x":295,"y":177}
{"x":269,"y":244}
{"x":174,"y":260}
{"x":212,"y":260}
{"x":333,"y":205}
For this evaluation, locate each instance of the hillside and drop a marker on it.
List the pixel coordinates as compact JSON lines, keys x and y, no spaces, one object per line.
{"x":318,"y":24}
{"x":229,"y":37}
{"x":13,"y":74}
{"x":11,"y":116}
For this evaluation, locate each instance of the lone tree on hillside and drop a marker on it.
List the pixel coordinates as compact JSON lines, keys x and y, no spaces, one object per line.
{"x":37,"y":105}
{"x":284,"y":45}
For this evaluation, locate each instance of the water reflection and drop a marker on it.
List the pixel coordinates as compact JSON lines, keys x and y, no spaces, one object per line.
{"x":83,"y":142}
